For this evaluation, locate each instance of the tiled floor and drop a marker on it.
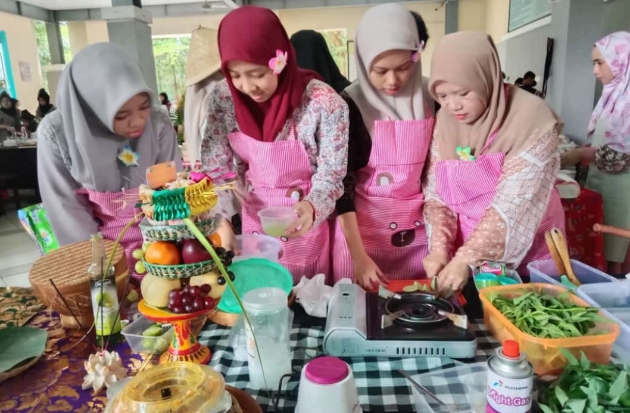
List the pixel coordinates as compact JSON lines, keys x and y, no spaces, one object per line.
{"x":17,"y":252}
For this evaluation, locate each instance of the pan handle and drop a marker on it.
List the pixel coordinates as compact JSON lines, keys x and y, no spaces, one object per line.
{"x":605,"y":229}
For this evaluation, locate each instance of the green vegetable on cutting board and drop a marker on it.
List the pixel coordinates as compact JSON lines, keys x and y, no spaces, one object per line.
{"x":545,"y":316}
{"x":586,"y":387}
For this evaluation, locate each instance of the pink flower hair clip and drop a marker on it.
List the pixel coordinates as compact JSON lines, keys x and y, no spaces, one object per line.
{"x":278,"y":63}
{"x":416,"y":56}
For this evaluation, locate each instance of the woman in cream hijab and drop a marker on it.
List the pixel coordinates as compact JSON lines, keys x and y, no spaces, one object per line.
{"x":379,"y":233}
{"x":203,"y":71}
{"x":493,"y":164}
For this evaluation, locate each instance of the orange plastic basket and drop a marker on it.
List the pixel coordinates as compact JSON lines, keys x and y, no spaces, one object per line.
{"x":544,"y":353}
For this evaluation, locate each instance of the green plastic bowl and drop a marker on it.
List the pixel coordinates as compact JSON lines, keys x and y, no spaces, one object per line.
{"x":252,"y":274}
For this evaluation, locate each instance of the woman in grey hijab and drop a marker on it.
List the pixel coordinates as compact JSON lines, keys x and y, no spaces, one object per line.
{"x":380,"y":234}
{"x":93,"y":151}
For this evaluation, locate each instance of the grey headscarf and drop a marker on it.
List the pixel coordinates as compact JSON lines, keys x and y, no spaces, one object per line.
{"x":92,"y":89}
{"x":383,"y":28}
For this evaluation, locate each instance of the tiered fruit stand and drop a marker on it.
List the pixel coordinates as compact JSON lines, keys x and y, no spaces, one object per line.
{"x":173,"y":270}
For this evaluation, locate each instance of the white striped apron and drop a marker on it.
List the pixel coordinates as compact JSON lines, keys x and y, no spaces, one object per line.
{"x":389,"y":202}
{"x":469,"y":187}
{"x":279,"y":174}
{"x":113,"y":215}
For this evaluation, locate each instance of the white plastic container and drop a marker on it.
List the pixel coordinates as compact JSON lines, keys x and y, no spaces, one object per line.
{"x":545,"y":271}
{"x":257,"y":246}
{"x":275,"y":220}
{"x":146,"y":344}
{"x":268,"y":312}
{"x":614,"y":298}
{"x":462,"y":389}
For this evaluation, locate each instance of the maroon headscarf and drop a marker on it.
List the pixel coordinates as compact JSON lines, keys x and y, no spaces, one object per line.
{"x":254,"y":34}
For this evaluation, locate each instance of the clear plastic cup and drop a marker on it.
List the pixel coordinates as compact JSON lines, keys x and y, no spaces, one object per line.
{"x":257,"y":246}
{"x":268,"y":312}
{"x":276,"y":220}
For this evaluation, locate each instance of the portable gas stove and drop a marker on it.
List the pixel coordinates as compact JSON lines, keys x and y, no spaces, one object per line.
{"x":361,"y":323}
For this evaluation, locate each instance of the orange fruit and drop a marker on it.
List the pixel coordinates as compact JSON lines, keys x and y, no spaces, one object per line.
{"x":215,"y":239}
{"x":162,"y":253}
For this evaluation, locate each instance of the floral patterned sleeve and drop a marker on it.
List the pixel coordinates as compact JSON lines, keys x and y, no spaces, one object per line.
{"x":440,"y":222}
{"x":216,"y":153}
{"x":506,"y":231}
{"x":331,"y":137}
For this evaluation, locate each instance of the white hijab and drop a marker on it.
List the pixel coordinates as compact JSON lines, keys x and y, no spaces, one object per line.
{"x":383,"y":28}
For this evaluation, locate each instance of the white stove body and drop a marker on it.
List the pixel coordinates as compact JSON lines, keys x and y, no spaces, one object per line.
{"x":346,"y":333}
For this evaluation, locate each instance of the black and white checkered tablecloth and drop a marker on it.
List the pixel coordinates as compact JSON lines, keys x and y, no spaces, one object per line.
{"x":381,"y":388}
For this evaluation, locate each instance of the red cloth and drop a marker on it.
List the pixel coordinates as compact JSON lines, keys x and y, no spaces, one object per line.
{"x":585,"y":245}
{"x":254,"y":34}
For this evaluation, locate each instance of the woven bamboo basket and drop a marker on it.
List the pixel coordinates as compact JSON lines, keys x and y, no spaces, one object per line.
{"x":156,"y":232}
{"x":180,"y":271}
{"x":164,"y":205}
{"x":67,"y":267}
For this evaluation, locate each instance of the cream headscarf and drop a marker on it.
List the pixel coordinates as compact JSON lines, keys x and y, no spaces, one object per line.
{"x":383,"y":28}
{"x":203,"y":71}
{"x":470,"y":60}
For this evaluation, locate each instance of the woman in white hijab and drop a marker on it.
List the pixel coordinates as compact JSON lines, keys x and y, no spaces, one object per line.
{"x":380,"y":232}
{"x":93,"y":151}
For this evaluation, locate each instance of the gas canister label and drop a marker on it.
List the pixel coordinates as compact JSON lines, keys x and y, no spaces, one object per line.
{"x":508,"y":395}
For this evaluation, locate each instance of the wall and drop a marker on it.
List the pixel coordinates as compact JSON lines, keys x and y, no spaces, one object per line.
{"x":23,"y":48}
{"x":497,"y":17}
{"x":472,"y":15}
{"x":84,"y":33}
{"x":616,"y":16}
{"x":96,"y":31}
{"x":348,"y":18}
{"x":572,"y":84}
{"x":526,"y":51}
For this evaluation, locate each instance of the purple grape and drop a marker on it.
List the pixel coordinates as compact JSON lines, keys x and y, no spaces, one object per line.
{"x":198,"y":304}
{"x":206,"y":288}
{"x":195,"y":290}
{"x":178,"y":309}
{"x":175,"y":299}
{"x":188,"y":308}
{"x":209,"y":303}
{"x":186,"y":299}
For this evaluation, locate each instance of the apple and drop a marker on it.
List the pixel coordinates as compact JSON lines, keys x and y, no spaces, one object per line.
{"x":193,"y":252}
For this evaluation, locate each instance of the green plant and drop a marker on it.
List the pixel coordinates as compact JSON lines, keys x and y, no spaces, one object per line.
{"x":545,"y":316}
{"x":586,"y":387}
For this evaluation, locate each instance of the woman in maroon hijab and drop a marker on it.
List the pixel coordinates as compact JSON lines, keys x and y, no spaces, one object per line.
{"x":283,"y":130}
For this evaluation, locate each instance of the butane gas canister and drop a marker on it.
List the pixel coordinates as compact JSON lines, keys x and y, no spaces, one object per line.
{"x":510,"y":381}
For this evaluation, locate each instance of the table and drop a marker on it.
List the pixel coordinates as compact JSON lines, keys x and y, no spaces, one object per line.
{"x":54,"y":383}
{"x":20,"y":163}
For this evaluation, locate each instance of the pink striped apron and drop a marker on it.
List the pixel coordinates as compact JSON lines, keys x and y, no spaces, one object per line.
{"x":113,"y":215}
{"x":279,"y":174}
{"x":389,"y":201}
{"x":468,"y":188}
